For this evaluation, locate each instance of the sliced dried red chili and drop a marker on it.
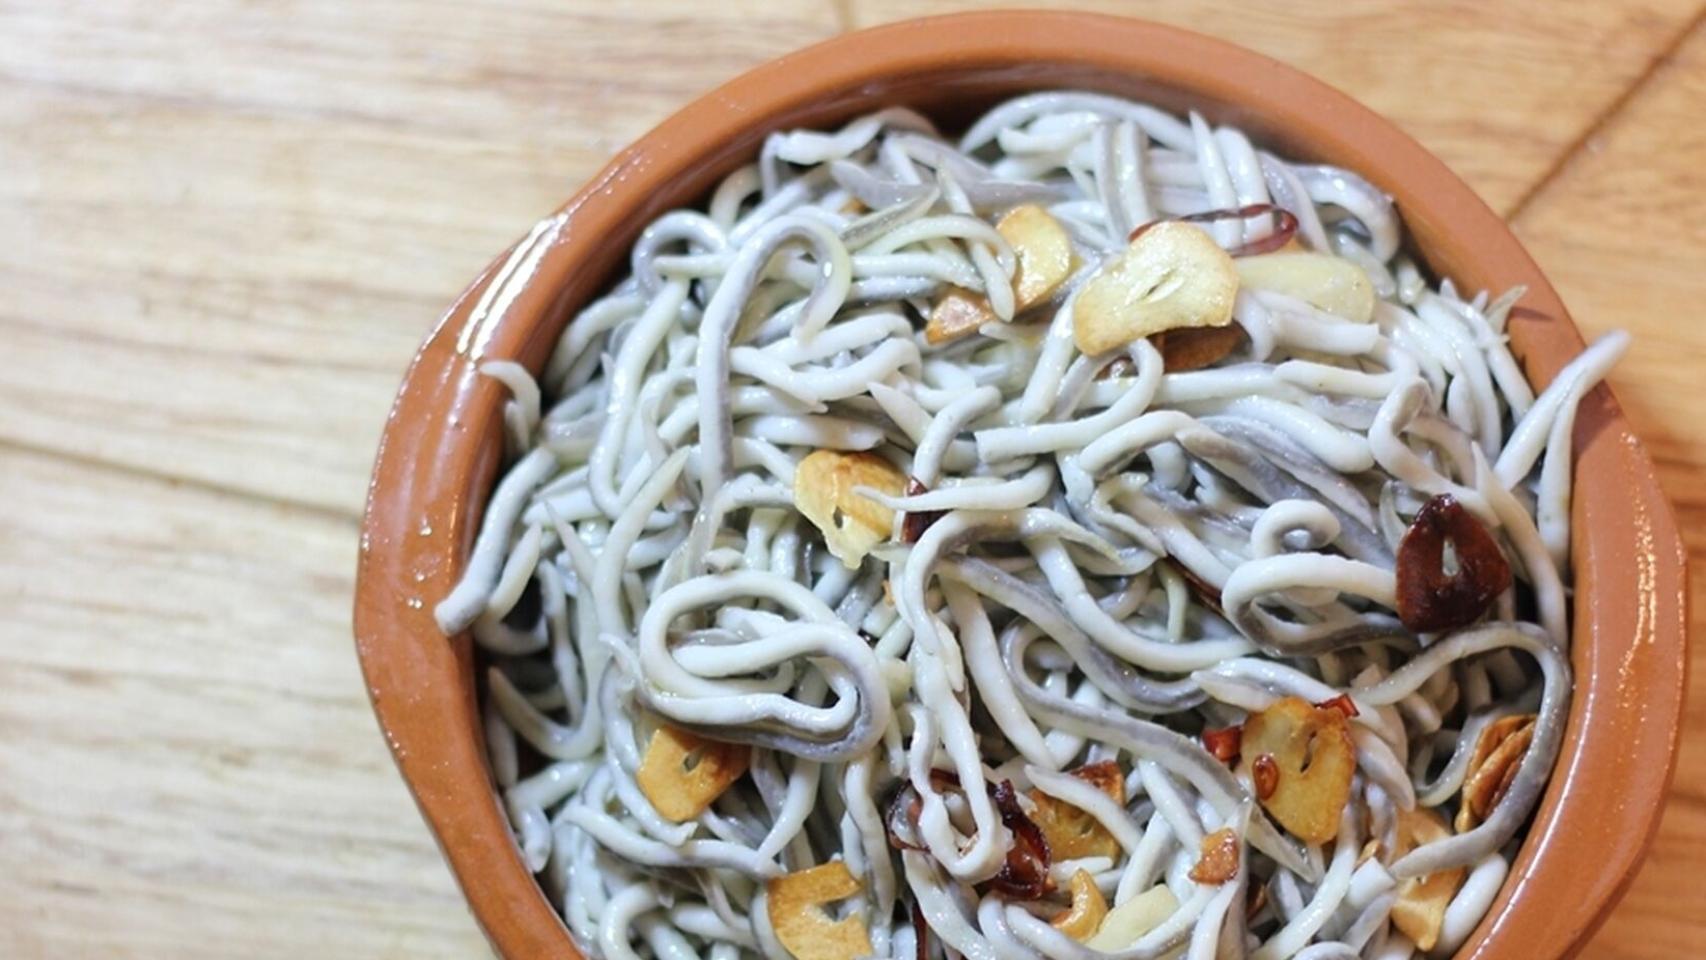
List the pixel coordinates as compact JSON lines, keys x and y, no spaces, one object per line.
{"x":920,"y":931}
{"x":914,"y":523}
{"x":1266,"y":773}
{"x":1285,"y":226}
{"x":900,"y":821}
{"x":1224,"y":744}
{"x":1025,"y":874}
{"x":944,"y":780}
{"x":1429,"y":598}
{"x":1342,"y":703}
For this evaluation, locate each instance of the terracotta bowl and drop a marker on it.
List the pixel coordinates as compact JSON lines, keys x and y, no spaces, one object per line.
{"x":441,"y":447}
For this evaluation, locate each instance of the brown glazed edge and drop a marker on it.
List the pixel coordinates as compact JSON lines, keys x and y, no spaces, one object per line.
{"x":440,"y":447}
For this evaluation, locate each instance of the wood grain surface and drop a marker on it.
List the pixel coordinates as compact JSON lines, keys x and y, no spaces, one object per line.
{"x":224,"y":227}
{"x":1621,"y":230}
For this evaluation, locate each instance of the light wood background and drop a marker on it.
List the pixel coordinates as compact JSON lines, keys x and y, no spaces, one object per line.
{"x":224,"y":226}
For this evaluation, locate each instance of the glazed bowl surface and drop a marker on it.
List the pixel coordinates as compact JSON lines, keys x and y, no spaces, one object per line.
{"x":442,"y":445}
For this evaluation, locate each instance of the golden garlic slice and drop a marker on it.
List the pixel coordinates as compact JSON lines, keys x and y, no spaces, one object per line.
{"x":1088,"y":910}
{"x":1420,"y":909}
{"x":1044,"y":251}
{"x":1329,"y":283}
{"x":1217,"y":860}
{"x":1071,"y":833}
{"x":796,"y":914}
{"x":851,"y":524}
{"x":1127,"y":922}
{"x":682,"y":773}
{"x":1498,"y":754}
{"x":958,"y":313}
{"x":1171,"y":276}
{"x":1301,"y":759}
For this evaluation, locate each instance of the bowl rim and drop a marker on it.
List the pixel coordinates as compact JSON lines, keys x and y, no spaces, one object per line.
{"x":440,"y":448}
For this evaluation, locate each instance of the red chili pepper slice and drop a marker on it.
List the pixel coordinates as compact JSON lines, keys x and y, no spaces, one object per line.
{"x":1342,"y":703}
{"x":913,"y":524}
{"x":1025,"y":874}
{"x":1429,"y":598}
{"x":1266,"y":773}
{"x":1225,"y":743}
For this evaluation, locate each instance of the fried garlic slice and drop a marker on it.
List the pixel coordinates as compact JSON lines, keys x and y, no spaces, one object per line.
{"x":1171,"y":276}
{"x":1072,"y":833}
{"x":1088,"y":910}
{"x":682,"y":773}
{"x":1044,"y":251}
{"x":1420,"y":909}
{"x":1302,"y":759}
{"x":1498,"y":753}
{"x":1328,"y":283}
{"x":795,"y":906}
{"x":824,"y":490}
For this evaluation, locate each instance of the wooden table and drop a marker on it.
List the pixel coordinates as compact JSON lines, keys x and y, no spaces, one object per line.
{"x":224,"y":226}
